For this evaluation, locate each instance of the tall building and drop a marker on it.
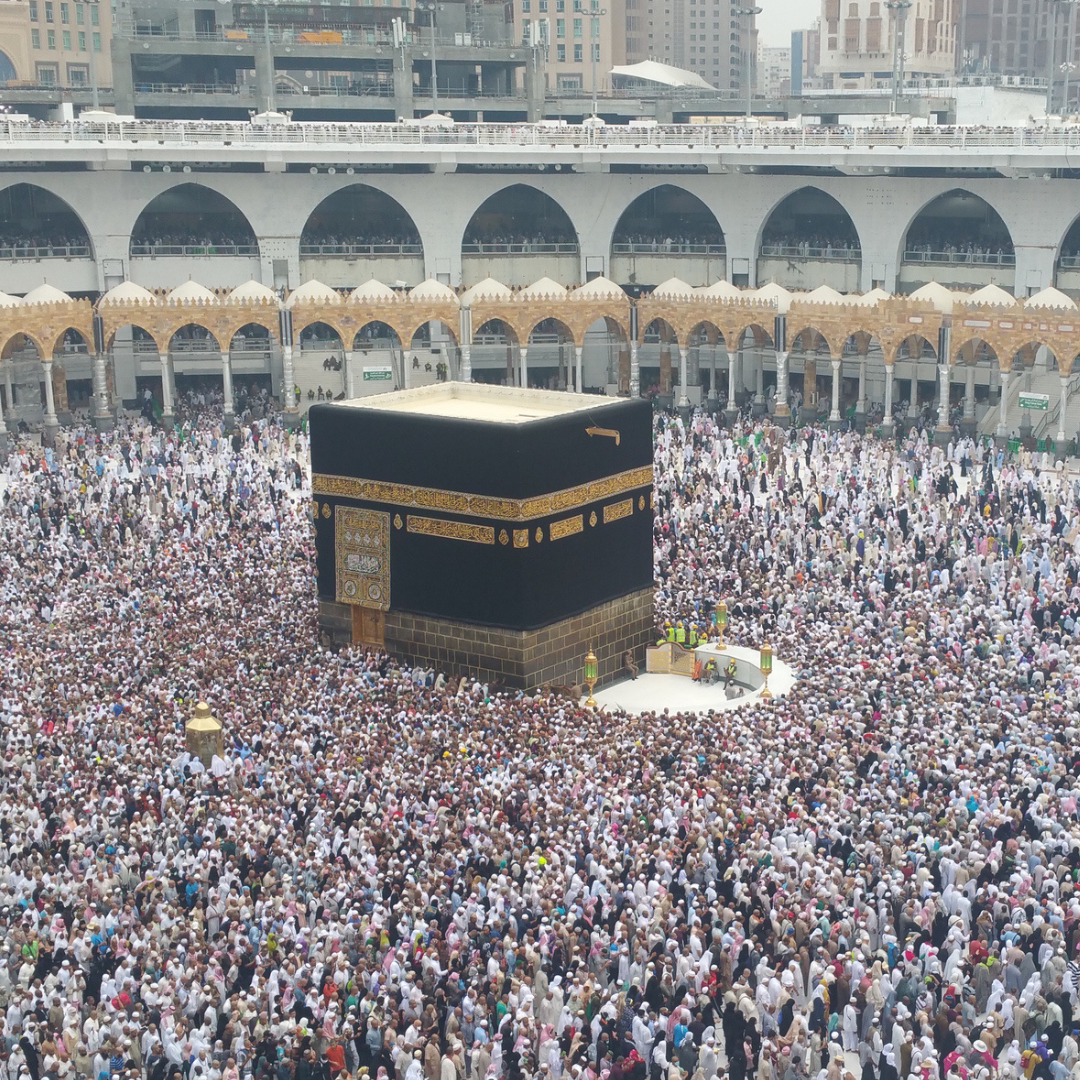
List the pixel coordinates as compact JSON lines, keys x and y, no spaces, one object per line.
{"x":55,"y":42}
{"x":1013,"y":37}
{"x":805,"y":58}
{"x":702,"y":36}
{"x":774,"y":71}
{"x":579,"y":36}
{"x":859,"y":36}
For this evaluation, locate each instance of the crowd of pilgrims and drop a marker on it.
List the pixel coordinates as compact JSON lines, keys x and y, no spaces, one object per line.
{"x":415,"y":876}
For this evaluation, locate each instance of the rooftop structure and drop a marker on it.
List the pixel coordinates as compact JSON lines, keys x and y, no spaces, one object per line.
{"x":481,"y":403}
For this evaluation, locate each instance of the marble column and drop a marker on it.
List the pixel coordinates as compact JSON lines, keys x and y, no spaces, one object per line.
{"x":782,"y":408}
{"x":350,"y":374}
{"x":684,"y":401}
{"x":103,"y":418}
{"x":288,"y":378}
{"x":523,"y":366}
{"x":465,"y":372}
{"x":9,"y":389}
{"x":1061,"y":436}
{"x":635,"y":371}
{"x":834,"y":413}
{"x":1003,"y":417}
{"x":944,"y":384}
{"x":167,"y":415}
{"x":51,"y":422}
{"x":714,"y":392}
{"x":969,"y":391}
{"x":860,"y":407}
{"x":226,"y":388}
{"x":887,"y":422}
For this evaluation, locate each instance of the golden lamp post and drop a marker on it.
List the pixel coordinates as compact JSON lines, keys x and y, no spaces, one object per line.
{"x":721,"y":622}
{"x":204,"y":735}
{"x":765,"y":663}
{"x":590,"y":677}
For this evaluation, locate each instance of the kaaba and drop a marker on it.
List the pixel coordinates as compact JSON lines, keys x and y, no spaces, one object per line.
{"x":487,"y":530}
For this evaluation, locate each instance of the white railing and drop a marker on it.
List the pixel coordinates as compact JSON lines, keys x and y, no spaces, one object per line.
{"x":965,"y":258}
{"x":527,"y":247}
{"x":52,"y":251}
{"x":808,"y":251}
{"x":344,"y":250}
{"x":667,"y":247}
{"x":135,"y":133}
{"x":162,"y":250}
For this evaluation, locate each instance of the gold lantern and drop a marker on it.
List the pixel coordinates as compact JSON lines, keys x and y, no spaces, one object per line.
{"x":590,"y":677}
{"x":204,"y":735}
{"x":765,"y":663}
{"x":721,"y":622}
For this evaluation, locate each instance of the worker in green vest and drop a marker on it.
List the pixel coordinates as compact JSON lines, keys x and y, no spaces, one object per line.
{"x":669,"y":632}
{"x":691,"y":636}
{"x":680,"y":634}
{"x":732,"y":670}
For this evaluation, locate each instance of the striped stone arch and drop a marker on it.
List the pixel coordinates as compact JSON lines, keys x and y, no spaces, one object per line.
{"x":828,"y":336}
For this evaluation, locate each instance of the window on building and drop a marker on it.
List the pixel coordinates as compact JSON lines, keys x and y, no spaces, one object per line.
{"x":94,"y":16}
{"x":79,"y":14}
{"x":78,"y":74}
{"x":851,"y":35}
{"x":577,"y":54}
{"x":47,"y":74}
{"x":594,"y":28}
{"x":33,"y":11}
{"x":526,"y":6}
{"x":542,"y":5}
{"x":560,"y":53}
{"x":48,"y":11}
{"x":50,"y":39}
{"x":64,"y":13}
{"x":82,"y":41}
{"x":35,"y":38}
{"x":66,"y":39}
{"x":560,"y":28}
{"x":560,"y":5}
{"x":595,"y":47}
{"x":577,"y":28}
{"x":97,"y":42}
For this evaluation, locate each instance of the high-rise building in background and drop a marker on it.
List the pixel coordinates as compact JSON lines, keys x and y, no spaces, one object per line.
{"x":805,"y":58}
{"x":706,"y":37}
{"x":1012,"y":38}
{"x":580,"y":38}
{"x":63,"y":43}
{"x":774,"y":71}
{"x":859,"y":37}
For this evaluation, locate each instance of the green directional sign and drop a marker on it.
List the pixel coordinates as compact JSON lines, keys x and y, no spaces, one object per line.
{"x":382,"y":373}
{"x":1039,"y":402}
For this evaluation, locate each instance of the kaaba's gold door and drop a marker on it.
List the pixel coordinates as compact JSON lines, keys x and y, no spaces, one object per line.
{"x":367,"y":626}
